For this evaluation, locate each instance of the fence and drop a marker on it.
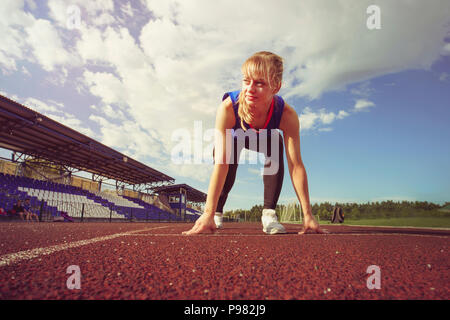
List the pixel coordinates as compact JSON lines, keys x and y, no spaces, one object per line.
{"x":58,"y":210}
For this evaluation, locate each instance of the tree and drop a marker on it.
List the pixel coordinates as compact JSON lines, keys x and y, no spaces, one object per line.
{"x":355,"y":213}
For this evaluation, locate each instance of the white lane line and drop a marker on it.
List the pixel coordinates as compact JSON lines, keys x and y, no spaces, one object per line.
{"x":282,"y":235}
{"x":393,"y":227}
{"x":13,"y":258}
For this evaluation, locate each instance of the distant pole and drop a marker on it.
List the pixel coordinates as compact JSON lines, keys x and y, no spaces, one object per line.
{"x":40,"y":211}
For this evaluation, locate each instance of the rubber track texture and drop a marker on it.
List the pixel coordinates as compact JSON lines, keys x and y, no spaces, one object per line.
{"x":154,"y":261}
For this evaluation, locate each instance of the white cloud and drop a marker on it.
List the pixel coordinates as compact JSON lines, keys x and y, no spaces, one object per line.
{"x":104,"y":19}
{"x":363,"y":104}
{"x":10,"y":96}
{"x":74,"y":123}
{"x":41,"y":106}
{"x":307,"y":119}
{"x":31,"y":4}
{"x":127,"y":9}
{"x":107,"y":86}
{"x":113,"y":113}
{"x":130,"y":138}
{"x":13,"y":43}
{"x":199,"y":172}
{"x":444,"y":76}
{"x":446,"y":50}
{"x":342,"y":114}
{"x":363,"y":90}
{"x":26,"y":38}
{"x":53,"y":110}
{"x":327,"y":118}
{"x":310,"y":120}
{"x":46,"y":45}
{"x":92,"y":12}
{"x":7,"y":63}
{"x":145,"y":145}
{"x":25,"y":71}
{"x":336,"y":49}
{"x":90,"y":46}
{"x":173,"y":70}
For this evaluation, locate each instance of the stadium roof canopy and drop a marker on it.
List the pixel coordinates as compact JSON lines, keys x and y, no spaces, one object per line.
{"x":192,"y":194}
{"x":29,"y":132}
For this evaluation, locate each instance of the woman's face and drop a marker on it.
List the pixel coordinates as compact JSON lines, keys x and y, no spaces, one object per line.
{"x":258,"y":94}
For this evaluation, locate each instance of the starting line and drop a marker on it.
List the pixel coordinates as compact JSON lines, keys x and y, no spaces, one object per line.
{"x":280,"y":235}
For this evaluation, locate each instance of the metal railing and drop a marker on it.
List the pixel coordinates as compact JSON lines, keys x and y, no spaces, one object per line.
{"x":59,"y":210}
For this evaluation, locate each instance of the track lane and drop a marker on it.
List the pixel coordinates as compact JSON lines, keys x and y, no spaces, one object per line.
{"x":239,"y":262}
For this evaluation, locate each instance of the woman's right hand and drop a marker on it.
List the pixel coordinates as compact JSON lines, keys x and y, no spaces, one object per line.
{"x":204,"y":224}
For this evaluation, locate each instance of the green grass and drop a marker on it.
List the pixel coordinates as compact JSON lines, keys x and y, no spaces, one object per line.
{"x":428,"y":222}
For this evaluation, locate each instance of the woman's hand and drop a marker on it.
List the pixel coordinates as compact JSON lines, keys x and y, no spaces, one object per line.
{"x":204,"y":224}
{"x":310,"y":223}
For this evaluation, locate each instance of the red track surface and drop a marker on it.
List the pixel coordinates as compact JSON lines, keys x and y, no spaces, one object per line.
{"x":154,"y":261}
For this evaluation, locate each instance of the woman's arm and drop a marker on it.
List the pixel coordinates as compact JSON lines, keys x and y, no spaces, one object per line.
{"x":225,"y":119}
{"x":290,"y":126}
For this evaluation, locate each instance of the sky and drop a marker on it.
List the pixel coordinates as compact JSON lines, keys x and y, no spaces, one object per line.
{"x":369,"y":80}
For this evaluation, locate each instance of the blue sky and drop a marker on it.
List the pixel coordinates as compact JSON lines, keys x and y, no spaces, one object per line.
{"x":373,"y":104}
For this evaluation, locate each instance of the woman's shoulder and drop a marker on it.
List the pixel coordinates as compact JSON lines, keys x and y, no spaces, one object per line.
{"x":225,"y":114}
{"x":289,"y":118}
{"x":227,"y":103}
{"x":288,"y":110}
{"x":233,"y":95}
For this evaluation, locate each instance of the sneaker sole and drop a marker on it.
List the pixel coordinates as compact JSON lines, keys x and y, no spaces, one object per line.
{"x":274,"y":231}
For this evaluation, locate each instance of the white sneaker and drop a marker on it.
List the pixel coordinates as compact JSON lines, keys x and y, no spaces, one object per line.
{"x":218,"y":219}
{"x":270,"y":222}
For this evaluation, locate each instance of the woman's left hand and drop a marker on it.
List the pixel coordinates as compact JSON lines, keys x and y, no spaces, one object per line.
{"x":310,"y":223}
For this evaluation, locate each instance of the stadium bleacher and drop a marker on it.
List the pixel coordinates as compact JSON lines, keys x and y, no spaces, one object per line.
{"x":192,"y":214}
{"x":50,"y":199}
{"x":189,"y":216}
{"x":50,"y":149}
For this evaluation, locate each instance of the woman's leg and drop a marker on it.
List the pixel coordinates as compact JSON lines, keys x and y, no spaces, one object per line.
{"x":273,"y":170}
{"x":229,"y":180}
{"x":273,"y":173}
{"x":273,"y":182}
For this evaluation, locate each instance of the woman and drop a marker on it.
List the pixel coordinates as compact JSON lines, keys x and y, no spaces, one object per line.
{"x":257,"y":111}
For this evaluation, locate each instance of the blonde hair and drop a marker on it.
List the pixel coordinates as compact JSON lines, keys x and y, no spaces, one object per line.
{"x":266,"y":65}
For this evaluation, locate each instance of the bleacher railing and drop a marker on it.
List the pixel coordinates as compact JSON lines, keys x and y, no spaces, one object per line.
{"x":56,"y":210}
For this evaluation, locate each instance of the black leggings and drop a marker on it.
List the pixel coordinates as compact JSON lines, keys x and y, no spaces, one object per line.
{"x":273,"y":181}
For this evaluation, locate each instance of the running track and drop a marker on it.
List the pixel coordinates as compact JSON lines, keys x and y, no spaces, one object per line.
{"x":154,"y":261}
